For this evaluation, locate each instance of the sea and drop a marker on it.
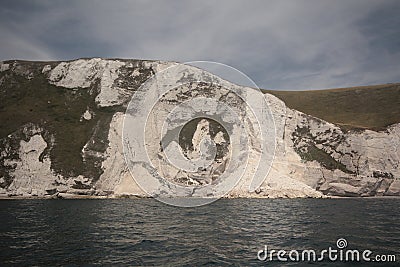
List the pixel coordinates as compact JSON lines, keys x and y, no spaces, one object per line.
{"x":228,"y":232}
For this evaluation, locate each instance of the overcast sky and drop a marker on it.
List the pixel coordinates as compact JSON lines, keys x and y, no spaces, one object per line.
{"x":280,"y":44}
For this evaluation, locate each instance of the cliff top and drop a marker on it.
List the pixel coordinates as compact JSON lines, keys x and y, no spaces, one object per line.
{"x":367,"y":107}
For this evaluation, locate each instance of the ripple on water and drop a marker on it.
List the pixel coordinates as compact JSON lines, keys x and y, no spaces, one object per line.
{"x":227,"y":232}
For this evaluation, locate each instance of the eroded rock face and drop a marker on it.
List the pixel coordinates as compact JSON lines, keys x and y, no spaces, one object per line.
{"x":196,"y":141}
{"x":334,"y":162}
{"x":313,"y":158}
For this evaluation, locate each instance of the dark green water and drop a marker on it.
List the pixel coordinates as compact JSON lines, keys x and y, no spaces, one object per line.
{"x":227,"y":232}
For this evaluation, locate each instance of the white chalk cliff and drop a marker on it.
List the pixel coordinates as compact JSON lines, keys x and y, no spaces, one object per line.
{"x":313,"y":158}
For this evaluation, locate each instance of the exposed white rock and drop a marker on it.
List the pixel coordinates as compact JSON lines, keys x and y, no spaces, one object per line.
{"x":116,"y":177}
{"x":394,"y":188}
{"x":202,"y":132}
{"x":79,"y":73}
{"x":4,"y":66}
{"x":110,"y":94}
{"x":87,"y":115}
{"x":31,"y":174}
{"x":219,"y":138}
{"x":83,"y":73}
{"x":46,"y":68}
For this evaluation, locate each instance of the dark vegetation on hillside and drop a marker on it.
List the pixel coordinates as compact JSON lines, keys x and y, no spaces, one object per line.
{"x":57,"y":110}
{"x":366,"y":107}
{"x":27,"y":98}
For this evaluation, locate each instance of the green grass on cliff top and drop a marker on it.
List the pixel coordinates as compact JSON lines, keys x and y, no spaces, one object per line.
{"x":366,"y":107}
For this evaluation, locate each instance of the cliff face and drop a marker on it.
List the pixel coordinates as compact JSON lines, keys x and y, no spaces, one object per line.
{"x":61,"y":134}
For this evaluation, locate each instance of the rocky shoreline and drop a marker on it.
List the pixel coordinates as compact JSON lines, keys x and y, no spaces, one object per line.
{"x":72,"y":196}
